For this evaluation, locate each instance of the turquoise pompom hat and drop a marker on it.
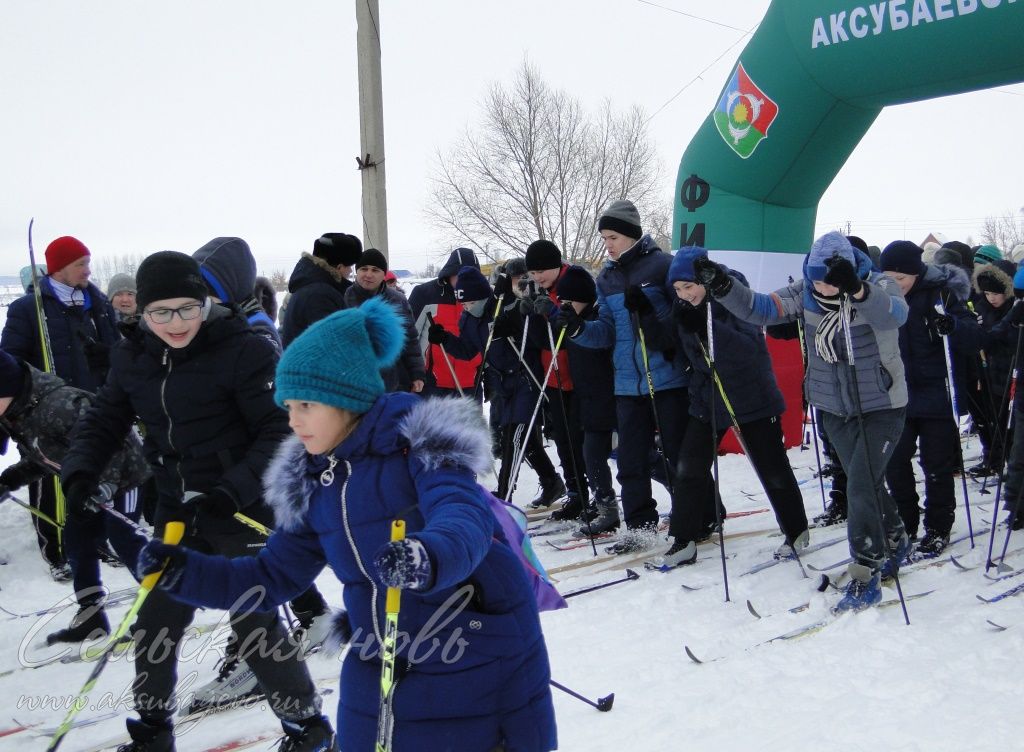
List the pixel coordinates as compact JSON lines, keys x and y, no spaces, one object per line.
{"x":338,"y":360}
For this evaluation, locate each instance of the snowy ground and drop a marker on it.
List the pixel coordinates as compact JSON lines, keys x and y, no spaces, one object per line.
{"x":947,"y":682}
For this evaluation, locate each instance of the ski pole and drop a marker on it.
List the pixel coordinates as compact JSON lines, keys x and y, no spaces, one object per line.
{"x":630,"y":576}
{"x":259,"y":527}
{"x":714,"y":442}
{"x":951,"y":396}
{"x":448,"y":362}
{"x":479,"y":377}
{"x":518,"y":461}
{"x":810,"y":410}
{"x":845,"y":316}
{"x":604,"y":704}
{"x":173,"y":533}
{"x":639,"y":332}
{"x":38,"y":513}
{"x":1011,"y":379}
{"x":389,"y":647}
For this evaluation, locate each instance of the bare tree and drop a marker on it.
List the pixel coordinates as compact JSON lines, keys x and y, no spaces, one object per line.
{"x":538,"y":166}
{"x":1005,"y":231}
{"x":279,"y":280}
{"x":105,"y":267}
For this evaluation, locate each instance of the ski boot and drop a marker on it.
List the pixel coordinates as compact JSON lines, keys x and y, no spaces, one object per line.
{"x":864,"y":590}
{"x":932,"y":544}
{"x":90,"y":623}
{"x":235,"y":682}
{"x":570,"y":510}
{"x":679,"y":554}
{"x":899,"y":550}
{"x":148,"y":737}
{"x":551,"y":490}
{"x":312,"y":630}
{"x":786,"y":550}
{"x":835,"y":511}
{"x":310,"y":735}
{"x":61,"y":572}
{"x":635,"y":539}
{"x":107,"y":554}
{"x":607,"y":519}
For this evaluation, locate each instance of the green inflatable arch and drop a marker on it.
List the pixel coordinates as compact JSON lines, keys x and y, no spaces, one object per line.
{"x":804,"y":92}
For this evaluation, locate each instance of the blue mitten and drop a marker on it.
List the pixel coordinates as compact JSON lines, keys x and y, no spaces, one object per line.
{"x":151,"y":559}
{"x":404,"y":564}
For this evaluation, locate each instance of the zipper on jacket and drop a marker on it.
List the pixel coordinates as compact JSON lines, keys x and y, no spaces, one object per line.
{"x":355,"y":551}
{"x":166,"y":360}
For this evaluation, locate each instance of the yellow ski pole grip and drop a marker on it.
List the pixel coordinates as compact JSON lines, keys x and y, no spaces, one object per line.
{"x":391,"y":605}
{"x":173,"y":533}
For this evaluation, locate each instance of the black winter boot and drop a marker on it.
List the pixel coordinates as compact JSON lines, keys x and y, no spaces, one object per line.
{"x":148,"y":737}
{"x":607,"y":519}
{"x":90,"y":623}
{"x":570,"y":510}
{"x":835,"y":511}
{"x":551,"y":490}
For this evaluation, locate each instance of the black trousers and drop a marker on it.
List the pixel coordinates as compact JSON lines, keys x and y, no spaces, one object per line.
{"x":567,"y":431}
{"x":636,"y":438}
{"x":766,"y":452}
{"x":940,"y":443}
{"x":42,"y":495}
{"x":262,"y":638}
{"x":513,"y":437}
{"x":597,"y":448}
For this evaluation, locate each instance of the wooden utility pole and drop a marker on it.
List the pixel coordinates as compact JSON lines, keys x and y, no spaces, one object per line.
{"x":371,"y":127}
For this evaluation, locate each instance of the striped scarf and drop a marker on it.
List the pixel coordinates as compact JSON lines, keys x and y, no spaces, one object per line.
{"x":824,"y":337}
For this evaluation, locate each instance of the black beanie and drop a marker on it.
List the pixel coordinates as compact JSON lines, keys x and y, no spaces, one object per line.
{"x":543,"y":255}
{"x":338,"y":248}
{"x":621,"y":217}
{"x":12,"y":377}
{"x":858,"y":243}
{"x":576,"y":285}
{"x":372,"y":257}
{"x":902,"y":256}
{"x":168,"y":274}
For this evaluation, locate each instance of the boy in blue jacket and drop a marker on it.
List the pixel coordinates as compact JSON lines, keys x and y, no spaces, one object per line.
{"x":472,"y":671}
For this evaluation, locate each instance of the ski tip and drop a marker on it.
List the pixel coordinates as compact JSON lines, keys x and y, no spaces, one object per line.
{"x":632,"y":574}
{"x":997,"y":627}
{"x":956,"y":563}
{"x":690,"y":654}
{"x":689,"y":588}
{"x":982,"y":598}
{"x":604,"y":704}
{"x":752,"y":610}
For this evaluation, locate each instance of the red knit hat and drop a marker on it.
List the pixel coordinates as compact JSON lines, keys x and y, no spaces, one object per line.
{"x":63,"y":251}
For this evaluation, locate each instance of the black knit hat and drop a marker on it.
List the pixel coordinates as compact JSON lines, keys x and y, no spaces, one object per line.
{"x":372,"y":257}
{"x":903,"y":256}
{"x":857,"y":243}
{"x":576,"y":285}
{"x":168,"y":274}
{"x":543,"y":255}
{"x":338,"y":248}
{"x":621,"y":217}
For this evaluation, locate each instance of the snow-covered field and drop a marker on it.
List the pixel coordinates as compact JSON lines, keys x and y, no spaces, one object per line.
{"x":949,"y":681}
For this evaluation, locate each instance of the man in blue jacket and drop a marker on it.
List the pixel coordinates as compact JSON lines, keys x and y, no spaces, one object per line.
{"x":81,"y":327}
{"x":632,"y":297}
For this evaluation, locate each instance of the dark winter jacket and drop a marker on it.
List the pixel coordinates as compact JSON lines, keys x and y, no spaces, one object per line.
{"x":437,"y":298}
{"x":41,"y":420}
{"x":510,"y":389}
{"x":595,"y":382}
{"x":208,"y":408}
{"x":409,"y":367}
{"x":742,"y":363}
{"x":873,"y":331}
{"x":412,"y":459}
{"x":997,"y":349}
{"x":317,"y":290}
{"x":922,"y":348}
{"x":646,"y":266}
{"x":70,"y":328}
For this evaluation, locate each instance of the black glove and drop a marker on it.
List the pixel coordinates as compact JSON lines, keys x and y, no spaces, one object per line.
{"x":502,"y":285}
{"x":692,"y":319}
{"x":152,"y":559}
{"x":636,"y":301}
{"x":713,"y":276}
{"x":97,"y":354}
{"x":506,"y":325}
{"x":841,"y":274}
{"x":944,"y":324}
{"x":544,"y":306}
{"x":216,"y":503}
{"x":569,"y":320}
{"x":78,"y":493}
{"x":437,"y":334}
{"x":17,"y":476}
{"x":404,"y":564}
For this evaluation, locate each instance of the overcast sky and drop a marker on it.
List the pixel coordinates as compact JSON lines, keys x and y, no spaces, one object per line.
{"x":141,"y":126}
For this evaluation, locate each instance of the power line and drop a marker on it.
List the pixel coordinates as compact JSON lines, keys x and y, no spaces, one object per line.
{"x":690,"y":15}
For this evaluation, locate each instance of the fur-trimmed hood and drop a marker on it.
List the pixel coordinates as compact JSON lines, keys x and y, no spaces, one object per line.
{"x":438,"y":432}
{"x":1001,"y":271}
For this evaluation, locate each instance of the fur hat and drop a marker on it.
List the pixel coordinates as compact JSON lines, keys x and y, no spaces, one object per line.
{"x":338,"y":360}
{"x":338,"y":248}
{"x":997,"y":277}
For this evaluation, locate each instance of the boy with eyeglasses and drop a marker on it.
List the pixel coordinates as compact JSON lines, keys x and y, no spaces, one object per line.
{"x":201,"y":381}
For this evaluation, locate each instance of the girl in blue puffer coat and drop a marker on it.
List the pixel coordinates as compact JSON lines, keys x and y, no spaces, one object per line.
{"x":472,"y":669}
